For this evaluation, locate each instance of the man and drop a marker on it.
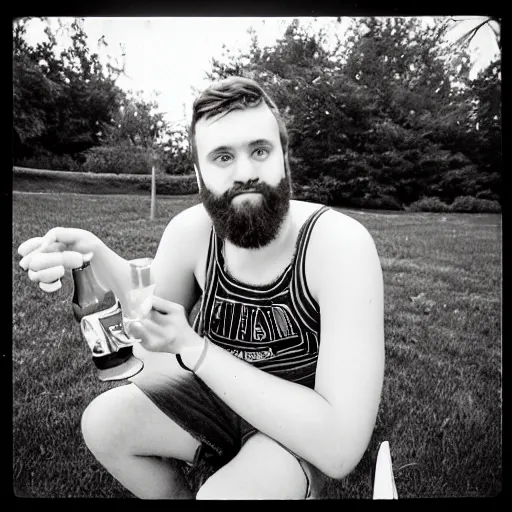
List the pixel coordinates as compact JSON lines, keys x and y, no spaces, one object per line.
{"x":278,"y":382}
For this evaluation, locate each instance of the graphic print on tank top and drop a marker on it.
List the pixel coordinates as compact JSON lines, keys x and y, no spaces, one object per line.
{"x":275,"y":327}
{"x":255,"y":332}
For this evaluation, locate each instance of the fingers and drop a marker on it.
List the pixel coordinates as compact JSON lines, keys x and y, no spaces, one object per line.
{"x":32,"y":247}
{"x":65,"y":236}
{"x":68,"y":259}
{"x":56,"y":240}
{"x":56,"y":235}
{"x":54,"y":247}
{"x":47,"y":275}
{"x":166,"y":306}
{"x":137,"y":330}
{"x":151,"y":335}
{"x":29,"y":245}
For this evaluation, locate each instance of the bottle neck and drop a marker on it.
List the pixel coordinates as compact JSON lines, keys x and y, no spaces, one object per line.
{"x":87,"y":287}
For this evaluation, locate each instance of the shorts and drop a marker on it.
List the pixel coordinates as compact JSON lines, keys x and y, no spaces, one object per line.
{"x":192,"y":405}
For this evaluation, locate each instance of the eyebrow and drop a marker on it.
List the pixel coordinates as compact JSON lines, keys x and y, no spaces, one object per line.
{"x":254,"y":143}
{"x":260,"y":142}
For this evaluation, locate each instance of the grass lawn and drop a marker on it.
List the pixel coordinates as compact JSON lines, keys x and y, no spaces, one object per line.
{"x":441,"y":404}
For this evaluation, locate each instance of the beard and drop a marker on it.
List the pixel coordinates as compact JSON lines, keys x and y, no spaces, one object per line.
{"x":248,"y":225}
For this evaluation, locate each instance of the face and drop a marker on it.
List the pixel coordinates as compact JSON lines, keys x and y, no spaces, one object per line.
{"x":244,"y":183}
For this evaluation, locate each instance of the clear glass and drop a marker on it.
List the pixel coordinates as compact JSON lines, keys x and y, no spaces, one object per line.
{"x":138,"y":301}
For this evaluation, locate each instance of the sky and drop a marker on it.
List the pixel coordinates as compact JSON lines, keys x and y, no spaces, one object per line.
{"x":170,"y":55}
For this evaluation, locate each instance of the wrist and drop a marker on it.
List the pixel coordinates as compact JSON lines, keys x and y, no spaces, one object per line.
{"x":193,"y":353}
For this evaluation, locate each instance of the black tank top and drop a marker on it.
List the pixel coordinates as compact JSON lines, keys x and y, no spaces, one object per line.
{"x":275,"y":327}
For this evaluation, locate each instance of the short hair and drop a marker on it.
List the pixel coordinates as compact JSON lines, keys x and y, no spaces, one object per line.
{"x":224,"y":96}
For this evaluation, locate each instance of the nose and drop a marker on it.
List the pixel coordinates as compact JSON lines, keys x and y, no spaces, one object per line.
{"x":245,"y":170}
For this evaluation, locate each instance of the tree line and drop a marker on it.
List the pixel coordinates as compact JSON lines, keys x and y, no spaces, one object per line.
{"x":385,"y":117}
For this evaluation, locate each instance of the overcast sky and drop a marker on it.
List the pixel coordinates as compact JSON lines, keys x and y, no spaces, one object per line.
{"x":170,"y":55}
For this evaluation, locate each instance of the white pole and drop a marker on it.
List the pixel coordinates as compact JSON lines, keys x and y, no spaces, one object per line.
{"x":153,"y":192}
{"x":153,"y":170}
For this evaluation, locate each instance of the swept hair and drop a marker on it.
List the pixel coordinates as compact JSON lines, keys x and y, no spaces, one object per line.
{"x":224,"y":96}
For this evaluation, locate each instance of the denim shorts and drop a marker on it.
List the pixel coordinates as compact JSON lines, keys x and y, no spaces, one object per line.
{"x":192,"y":405}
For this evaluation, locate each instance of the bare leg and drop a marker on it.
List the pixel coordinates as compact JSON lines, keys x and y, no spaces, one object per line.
{"x":134,"y":440}
{"x":261,"y":470}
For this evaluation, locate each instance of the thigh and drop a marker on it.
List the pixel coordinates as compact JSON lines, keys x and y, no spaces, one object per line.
{"x":262,"y":469}
{"x":125,"y":419}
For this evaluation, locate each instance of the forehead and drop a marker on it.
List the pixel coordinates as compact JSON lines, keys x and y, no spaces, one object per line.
{"x":237,"y":128}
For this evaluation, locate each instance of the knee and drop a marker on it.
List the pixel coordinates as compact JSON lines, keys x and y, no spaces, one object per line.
{"x":106,"y":422}
{"x":217,"y":489}
{"x":210,"y":491}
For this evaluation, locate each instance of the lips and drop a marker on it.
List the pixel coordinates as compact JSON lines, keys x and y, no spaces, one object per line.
{"x":247,"y":191}
{"x":252,"y":191}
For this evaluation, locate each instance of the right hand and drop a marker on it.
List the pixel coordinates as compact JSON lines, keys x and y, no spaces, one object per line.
{"x":47,"y":258}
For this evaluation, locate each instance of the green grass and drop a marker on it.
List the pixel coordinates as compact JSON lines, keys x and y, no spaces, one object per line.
{"x":441,"y":403}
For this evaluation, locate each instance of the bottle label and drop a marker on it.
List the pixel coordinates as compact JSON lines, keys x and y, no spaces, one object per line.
{"x":113,"y":327}
{"x":104,"y":332}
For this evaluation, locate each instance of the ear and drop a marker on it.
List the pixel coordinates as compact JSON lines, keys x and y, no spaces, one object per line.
{"x":197,"y":177}
{"x":286,"y":163}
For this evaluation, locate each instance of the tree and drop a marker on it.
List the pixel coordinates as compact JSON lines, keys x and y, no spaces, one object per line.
{"x":62,"y":102}
{"x":135,"y":122}
{"x":477,"y":24}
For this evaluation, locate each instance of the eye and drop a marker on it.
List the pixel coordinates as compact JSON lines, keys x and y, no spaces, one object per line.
{"x":261,"y":153}
{"x":224,"y":158}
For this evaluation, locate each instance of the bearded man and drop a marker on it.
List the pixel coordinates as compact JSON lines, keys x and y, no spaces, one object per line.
{"x":277,"y":382}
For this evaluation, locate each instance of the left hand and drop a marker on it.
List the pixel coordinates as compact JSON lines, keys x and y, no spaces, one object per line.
{"x":165,"y":329}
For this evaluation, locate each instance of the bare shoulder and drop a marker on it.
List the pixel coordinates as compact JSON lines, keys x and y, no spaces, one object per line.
{"x":336,"y":228}
{"x":339,"y":245}
{"x":192,"y":225}
{"x":189,"y":230}
{"x":333,"y":228}
{"x":195,"y":217}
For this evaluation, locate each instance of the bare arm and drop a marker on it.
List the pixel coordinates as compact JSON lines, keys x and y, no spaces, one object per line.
{"x":172,"y":268}
{"x":331,"y":425}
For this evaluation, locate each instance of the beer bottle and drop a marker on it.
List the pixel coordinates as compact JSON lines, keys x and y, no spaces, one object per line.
{"x":89,"y":296}
{"x":101,"y":324}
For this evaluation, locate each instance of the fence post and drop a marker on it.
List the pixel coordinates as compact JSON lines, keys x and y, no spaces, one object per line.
{"x":153,"y":192}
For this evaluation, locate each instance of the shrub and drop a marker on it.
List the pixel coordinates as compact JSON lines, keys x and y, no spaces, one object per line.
{"x":324,"y":190}
{"x":49,"y":161}
{"x":384,"y":202}
{"x":119,"y":159}
{"x":488,"y":194}
{"x":429,"y":204}
{"x":94,"y":183}
{"x":472,"y":204}
{"x":314,"y":192}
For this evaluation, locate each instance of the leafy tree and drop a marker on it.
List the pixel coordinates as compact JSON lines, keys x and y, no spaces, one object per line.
{"x":380,"y":118}
{"x":175,"y":154}
{"x":136,"y":122}
{"x":62,"y":102}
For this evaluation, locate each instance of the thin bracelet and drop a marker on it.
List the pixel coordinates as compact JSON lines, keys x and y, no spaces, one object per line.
{"x":199,"y":361}
{"x":181,"y":363}
{"x":202,"y":356}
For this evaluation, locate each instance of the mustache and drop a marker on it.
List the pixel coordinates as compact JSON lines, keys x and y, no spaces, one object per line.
{"x":250,"y":186}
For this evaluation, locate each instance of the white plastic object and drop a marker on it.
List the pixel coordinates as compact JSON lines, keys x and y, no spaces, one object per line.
{"x":384,"y":487}
{"x":50,"y":287}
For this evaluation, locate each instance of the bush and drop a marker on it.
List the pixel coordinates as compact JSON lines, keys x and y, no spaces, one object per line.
{"x":93,"y":183}
{"x":49,"y":161}
{"x":462,"y":204}
{"x":384,"y":202}
{"x":119,"y":159}
{"x":318,"y":190}
{"x":488,"y":194}
{"x":470,"y":204}
{"x":429,"y":204}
